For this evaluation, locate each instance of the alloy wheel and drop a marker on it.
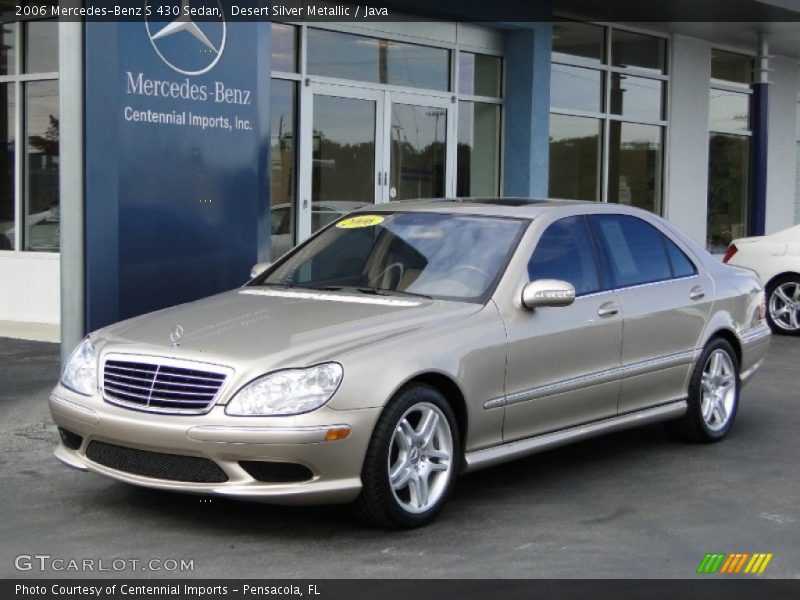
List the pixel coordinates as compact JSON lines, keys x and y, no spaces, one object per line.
{"x":420,"y":458}
{"x":718,"y":389}
{"x":784,"y":306}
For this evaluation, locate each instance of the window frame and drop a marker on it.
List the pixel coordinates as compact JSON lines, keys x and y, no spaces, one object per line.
{"x":606,"y":117}
{"x":19,"y":80}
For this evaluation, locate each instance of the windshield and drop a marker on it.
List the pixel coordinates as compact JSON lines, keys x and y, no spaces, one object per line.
{"x":451,"y":257}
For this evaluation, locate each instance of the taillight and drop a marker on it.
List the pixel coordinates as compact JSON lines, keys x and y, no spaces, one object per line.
{"x":732,"y":249}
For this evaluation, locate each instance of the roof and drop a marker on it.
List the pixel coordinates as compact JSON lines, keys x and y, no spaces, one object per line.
{"x":527,"y":208}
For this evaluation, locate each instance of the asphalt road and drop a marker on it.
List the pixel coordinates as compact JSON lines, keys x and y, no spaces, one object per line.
{"x":634,"y":504}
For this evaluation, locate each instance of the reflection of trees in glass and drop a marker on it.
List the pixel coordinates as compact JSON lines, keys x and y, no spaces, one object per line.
{"x":419,"y":173}
{"x":574,"y":167}
{"x":728,"y":169}
{"x":48,"y":143}
{"x":632,"y":174}
{"x":336,"y":169}
{"x":43,"y":168}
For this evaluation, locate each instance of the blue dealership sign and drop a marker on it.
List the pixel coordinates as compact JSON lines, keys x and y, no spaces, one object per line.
{"x":176,"y":160}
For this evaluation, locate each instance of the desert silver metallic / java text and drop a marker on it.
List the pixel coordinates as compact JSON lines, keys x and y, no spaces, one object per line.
{"x":784,"y":306}
{"x":420,"y":457}
{"x":718,"y":390}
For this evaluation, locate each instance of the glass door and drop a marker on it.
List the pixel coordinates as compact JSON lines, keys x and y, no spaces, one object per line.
{"x":342,"y":154}
{"x":418,"y":147}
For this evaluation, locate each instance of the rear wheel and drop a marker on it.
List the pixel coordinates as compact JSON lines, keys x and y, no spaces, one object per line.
{"x":783,"y":305}
{"x":411,"y":462}
{"x":713,"y":396}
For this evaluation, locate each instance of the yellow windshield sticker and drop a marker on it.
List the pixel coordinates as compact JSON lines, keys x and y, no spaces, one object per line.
{"x":360,"y":221}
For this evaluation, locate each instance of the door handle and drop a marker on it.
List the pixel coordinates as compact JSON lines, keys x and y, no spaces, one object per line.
{"x":386,"y":178}
{"x":609,"y":309}
{"x":379,"y":178}
{"x":697,"y":293}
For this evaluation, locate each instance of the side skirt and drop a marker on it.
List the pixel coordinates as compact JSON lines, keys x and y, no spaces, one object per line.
{"x":488,"y":457}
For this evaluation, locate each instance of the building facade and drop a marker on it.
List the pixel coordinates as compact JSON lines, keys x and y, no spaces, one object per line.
{"x":147,"y":167}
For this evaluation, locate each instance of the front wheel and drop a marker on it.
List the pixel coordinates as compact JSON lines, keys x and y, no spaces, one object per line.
{"x":713,"y":396}
{"x":783,"y":305}
{"x":411,"y":462}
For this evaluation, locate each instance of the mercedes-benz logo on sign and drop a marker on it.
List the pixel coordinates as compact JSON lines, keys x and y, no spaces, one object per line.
{"x":186,"y":46}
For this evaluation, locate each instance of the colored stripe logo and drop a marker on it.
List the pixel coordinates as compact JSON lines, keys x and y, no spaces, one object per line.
{"x":734,"y":563}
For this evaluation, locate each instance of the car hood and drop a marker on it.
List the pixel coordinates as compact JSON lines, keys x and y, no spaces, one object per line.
{"x":277,"y":327}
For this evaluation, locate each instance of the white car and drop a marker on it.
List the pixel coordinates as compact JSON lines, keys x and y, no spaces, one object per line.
{"x":776,"y":259}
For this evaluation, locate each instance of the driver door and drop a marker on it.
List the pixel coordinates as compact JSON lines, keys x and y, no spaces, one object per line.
{"x":563,"y":361}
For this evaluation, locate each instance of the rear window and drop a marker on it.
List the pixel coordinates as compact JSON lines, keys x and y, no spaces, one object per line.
{"x":635,"y":249}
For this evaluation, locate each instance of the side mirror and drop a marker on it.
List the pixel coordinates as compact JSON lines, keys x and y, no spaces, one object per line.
{"x":547,"y":292}
{"x":259,"y":268}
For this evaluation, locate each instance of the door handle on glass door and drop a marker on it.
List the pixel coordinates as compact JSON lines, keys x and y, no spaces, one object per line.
{"x":609,"y":309}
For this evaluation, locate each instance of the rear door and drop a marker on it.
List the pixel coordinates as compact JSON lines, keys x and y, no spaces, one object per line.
{"x":563,"y":362}
{"x":665,"y":301}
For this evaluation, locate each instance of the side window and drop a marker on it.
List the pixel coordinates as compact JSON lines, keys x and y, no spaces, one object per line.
{"x":565,"y":252}
{"x":635,"y":250}
{"x":681,"y":265}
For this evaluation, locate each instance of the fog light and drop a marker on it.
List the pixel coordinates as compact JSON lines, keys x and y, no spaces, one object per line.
{"x":337,"y":433}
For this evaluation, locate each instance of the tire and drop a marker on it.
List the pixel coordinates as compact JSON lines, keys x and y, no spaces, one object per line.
{"x":783,"y":305}
{"x":713,"y":396}
{"x":425,"y":460}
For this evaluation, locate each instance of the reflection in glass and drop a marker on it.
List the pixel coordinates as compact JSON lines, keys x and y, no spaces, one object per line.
{"x":418,"y":152}
{"x":42,"y":158}
{"x":636,"y":97}
{"x":576,"y":88}
{"x":343,"y":165}
{"x":630,"y":49}
{"x":478,"y":149}
{"x":634,"y":165}
{"x":728,"y":189}
{"x":479,"y":74}
{"x":284,"y":47}
{"x":729,"y":66}
{"x":41,"y":46}
{"x":574,"y":157}
{"x":7,"y":139}
{"x":348,"y":56}
{"x":729,"y":110}
{"x":282,"y":166}
{"x":797,"y":169}
{"x":571,"y":38}
{"x":8,"y":49}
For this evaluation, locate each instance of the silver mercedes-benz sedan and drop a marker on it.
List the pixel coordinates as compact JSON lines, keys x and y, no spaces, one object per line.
{"x":409,"y":342}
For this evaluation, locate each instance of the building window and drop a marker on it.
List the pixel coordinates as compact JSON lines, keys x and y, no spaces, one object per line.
{"x":608,"y":115}
{"x":375,"y":60}
{"x":283,"y":135}
{"x":29,"y":132}
{"x":480,"y":89}
{"x":358,"y":119}
{"x":797,"y":168}
{"x":729,"y":149}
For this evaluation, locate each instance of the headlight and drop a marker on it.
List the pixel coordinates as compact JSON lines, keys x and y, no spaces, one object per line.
{"x":289,"y":392}
{"x":80,"y":372}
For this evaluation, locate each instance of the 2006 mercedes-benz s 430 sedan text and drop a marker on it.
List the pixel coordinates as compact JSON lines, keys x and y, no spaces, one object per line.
{"x":407,"y":343}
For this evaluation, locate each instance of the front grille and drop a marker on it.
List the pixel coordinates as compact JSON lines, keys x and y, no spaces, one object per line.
{"x":158,"y":465}
{"x":159,"y":387}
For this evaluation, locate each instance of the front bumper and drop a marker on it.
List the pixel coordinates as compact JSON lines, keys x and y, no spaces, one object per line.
{"x":335,"y":466}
